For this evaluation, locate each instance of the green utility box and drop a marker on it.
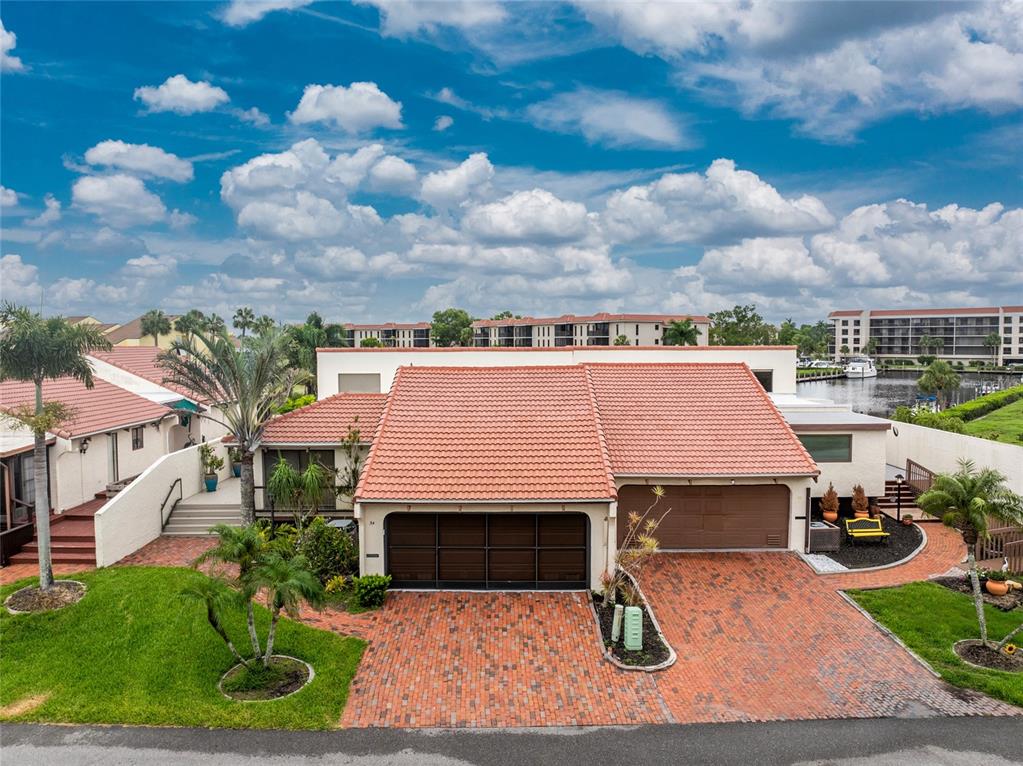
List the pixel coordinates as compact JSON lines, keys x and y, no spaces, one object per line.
{"x":633,"y":628}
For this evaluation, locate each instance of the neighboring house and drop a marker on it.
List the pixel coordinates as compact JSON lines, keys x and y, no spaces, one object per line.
{"x":137,"y":370}
{"x":130,"y":334}
{"x":371,"y":370}
{"x":525,"y":476}
{"x":315,"y":433}
{"x":114,"y":436}
{"x":962,"y":331}
{"x":391,"y":334}
{"x":571,"y":330}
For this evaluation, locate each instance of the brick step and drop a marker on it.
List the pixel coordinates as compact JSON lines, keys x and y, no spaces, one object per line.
{"x":63,"y":546}
{"x":27,"y":557}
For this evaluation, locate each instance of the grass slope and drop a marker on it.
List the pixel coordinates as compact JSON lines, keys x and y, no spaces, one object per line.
{"x":1004,"y":424}
{"x":133,"y":652}
{"x":930,"y":618}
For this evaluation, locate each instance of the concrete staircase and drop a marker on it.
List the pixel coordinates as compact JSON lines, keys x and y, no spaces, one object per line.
{"x":195,"y":519}
{"x":889,"y":504}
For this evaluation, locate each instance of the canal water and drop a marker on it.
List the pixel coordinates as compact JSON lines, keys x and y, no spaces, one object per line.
{"x":881,"y":395}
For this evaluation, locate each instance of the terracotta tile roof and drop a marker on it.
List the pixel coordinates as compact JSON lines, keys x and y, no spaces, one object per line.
{"x":132,"y":329}
{"x":488,"y":433}
{"x":141,"y":361}
{"x":563,"y":432}
{"x":540,"y":349}
{"x":591,"y":318}
{"x":849,"y":313}
{"x":327,"y":421}
{"x":102,"y":408}
{"x":389,"y":326}
{"x":692,"y":419}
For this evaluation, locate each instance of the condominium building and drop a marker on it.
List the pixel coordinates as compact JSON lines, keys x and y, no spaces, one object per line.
{"x":959,"y":333}
{"x":570,"y":330}
{"x":391,"y":334}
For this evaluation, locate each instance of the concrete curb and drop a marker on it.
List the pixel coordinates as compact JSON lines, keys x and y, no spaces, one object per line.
{"x":852,"y":602}
{"x":899,"y":563}
{"x":974,"y":664}
{"x":312,"y":675}
{"x":672,"y":656}
{"x":85,"y":590}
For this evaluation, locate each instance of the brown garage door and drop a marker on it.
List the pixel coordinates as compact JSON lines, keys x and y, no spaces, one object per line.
{"x":713,"y":517}
{"x":487,"y":550}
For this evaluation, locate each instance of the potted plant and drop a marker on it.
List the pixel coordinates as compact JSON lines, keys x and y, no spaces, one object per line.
{"x":236,"y":461}
{"x":211,"y":463}
{"x":995,"y":584}
{"x":860,"y":504}
{"x":829,"y":504}
{"x":907,"y":519}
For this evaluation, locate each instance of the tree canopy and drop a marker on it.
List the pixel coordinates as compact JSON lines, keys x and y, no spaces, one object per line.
{"x":451,"y":327}
{"x":741,"y":326}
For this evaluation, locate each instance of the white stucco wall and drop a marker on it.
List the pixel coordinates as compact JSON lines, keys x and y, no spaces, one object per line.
{"x":371,"y":528}
{"x":133,"y":517}
{"x":867,"y":466}
{"x":385,"y":362}
{"x":77,"y":477}
{"x":940,"y":451}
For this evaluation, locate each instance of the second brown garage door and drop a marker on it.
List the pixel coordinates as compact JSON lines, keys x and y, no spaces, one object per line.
{"x":713,"y":517}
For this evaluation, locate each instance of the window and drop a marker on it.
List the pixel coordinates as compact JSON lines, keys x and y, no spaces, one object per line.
{"x":358,"y":382}
{"x":765,"y":378}
{"x":138,"y":437}
{"x":828,"y":448}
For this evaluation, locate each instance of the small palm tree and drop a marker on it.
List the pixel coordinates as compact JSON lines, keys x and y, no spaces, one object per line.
{"x":287,"y":581}
{"x":241,"y":548}
{"x":682,"y":333}
{"x":216,"y":595}
{"x":992,"y":341}
{"x":247,"y":384}
{"x":966,"y":500}
{"x":36,"y":349}
{"x":189,"y":323}
{"x":244,"y":319}
{"x":155,"y":323}
{"x":622,"y":340}
{"x":301,"y":492}
{"x":939,"y":379}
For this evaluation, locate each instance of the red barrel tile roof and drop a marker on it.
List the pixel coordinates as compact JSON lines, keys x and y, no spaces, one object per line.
{"x":710,"y":419}
{"x":103,"y":408}
{"x":142,"y":361}
{"x":328,"y":420}
{"x":488,"y":433}
{"x":563,"y":432}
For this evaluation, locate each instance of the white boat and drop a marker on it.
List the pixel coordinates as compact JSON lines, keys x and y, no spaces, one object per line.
{"x":860,"y":367}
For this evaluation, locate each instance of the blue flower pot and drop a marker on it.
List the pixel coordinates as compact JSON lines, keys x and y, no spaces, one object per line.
{"x":236,"y":469}
{"x":211,"y":483}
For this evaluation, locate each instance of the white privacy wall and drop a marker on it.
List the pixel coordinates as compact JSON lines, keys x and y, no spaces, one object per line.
{"x":940,"y":451}
{"x":134,"y":516}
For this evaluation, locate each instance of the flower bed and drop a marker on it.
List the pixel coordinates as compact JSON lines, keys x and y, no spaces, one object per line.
{"x":654,"y":651}
{"x":903,"y":541}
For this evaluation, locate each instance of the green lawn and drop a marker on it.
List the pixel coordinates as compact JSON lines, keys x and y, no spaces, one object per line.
{"x":930,"y":618}
{"x":1004,"y":424}
{"x":133,"y":652}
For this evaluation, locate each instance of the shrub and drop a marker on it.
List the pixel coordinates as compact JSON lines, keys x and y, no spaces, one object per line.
{"x":829,"y":501}
{"x":926,"y":359}
{"x":371,"y":590}
{"x":294,"y":403}
{"x":982,"y":405}
{"x":859,"y":500}
{"x":940,"y":422}
{"x":336,"y":584}
{"x":330,"y":551}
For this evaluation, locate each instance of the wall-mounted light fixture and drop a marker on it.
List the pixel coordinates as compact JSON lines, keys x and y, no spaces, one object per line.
{"x":84,"y":446}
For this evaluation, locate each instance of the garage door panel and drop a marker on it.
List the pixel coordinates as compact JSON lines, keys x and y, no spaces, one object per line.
{"x":462,"y":565}
{"x":462,"y":529}
{"x":413,"y":564}
{"x":561,"y":565}
{"x":723,"y":516}
{"x":512,"y":566}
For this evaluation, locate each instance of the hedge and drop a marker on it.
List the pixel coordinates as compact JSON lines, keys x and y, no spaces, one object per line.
{"x":982,"y":405}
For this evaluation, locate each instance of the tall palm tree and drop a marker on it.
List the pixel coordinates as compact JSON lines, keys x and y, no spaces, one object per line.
{"x":244,"y":319}
{"x":966,"y":500}
{"x":993,"y":341}
{"x":155,"y":323}
{"x":939,"y":379}
{"x":263,"y":324}
{"x":681,"y":333}
{"x":35,"y":349}
{"x":189,"y":322}
{"x":247,"y":384}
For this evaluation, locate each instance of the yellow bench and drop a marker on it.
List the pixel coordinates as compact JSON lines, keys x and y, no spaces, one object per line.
{"x":865,"y":529}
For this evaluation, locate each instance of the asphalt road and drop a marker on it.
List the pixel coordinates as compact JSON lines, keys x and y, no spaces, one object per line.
{"x":886,"y":742}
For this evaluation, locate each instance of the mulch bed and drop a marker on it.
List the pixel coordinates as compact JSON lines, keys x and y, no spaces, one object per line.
{"x":903,"y":541}
{"x":961,"y":584}
{"x":32,"y":599}
{"x":291,"y":675}
{"x":990,"y":657}
{"x":654,"y":652}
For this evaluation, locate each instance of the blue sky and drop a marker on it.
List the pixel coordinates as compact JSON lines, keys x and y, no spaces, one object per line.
{"x":381,"y":160}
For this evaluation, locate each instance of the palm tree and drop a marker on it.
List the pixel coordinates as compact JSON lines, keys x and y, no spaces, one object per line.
{"x":36,"y":349}
{"x":622,"y":340}
{"x":930,"y":343}
{"x":682,"y":333}
{"x":939,"y":379}
{"x":216,"y":595}
{"x":189,"y":323}
{"x":214,"y":324}
{"x":993,"y":341}
{"x":244,"y":319}
{"x":263,"y":324}
{"x":870,"y":347}
{"x":155,"y":323}
{"x":287,"y":581}
{"x":247,"y":384}
{"x":241,"y":548}
{"x":966,"y":500}
{"x":301,"y":492}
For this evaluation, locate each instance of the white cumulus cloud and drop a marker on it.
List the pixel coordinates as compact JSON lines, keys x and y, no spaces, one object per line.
{"x":239,"y":13}
{"x":120,"y":200}
{"x":535,"y":216}
{"x":140,"y":158}
{"x":357,"y":108}
{"x":446,"y":188}
{"x":180,"y":95}
{"x":51,"y":214}
{"x":8,"y":61}
{"x":401,"y":18}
